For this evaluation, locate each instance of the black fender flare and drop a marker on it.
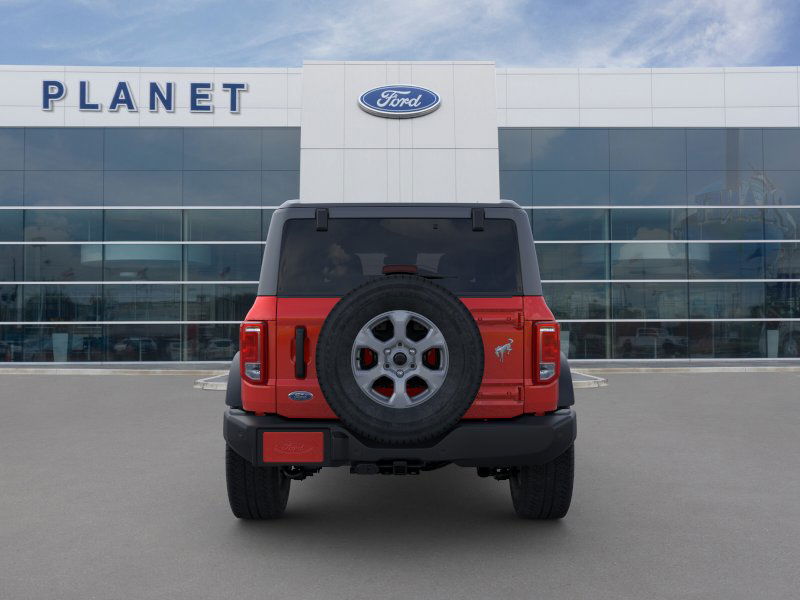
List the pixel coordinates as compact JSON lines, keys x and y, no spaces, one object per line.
{"x":233,"y":393}
{"x":566,"y":393}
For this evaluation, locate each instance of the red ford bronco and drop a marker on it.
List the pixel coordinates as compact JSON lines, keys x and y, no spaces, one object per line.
{"x":399,"y":338}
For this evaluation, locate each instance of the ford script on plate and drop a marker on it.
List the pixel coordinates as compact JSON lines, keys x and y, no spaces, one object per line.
{"x":399,"y":101}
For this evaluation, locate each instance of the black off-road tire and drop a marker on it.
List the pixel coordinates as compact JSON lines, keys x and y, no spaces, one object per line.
{"x":544,"y":491}
{"x":255,"y":492}
{"x":415,"y":424}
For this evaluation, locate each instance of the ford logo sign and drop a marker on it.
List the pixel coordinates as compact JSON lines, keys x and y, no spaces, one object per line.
{"x":300,"y":396}
{"x":399,"y":101}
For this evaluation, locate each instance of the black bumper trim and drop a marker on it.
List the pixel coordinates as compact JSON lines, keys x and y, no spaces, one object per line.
{"x":525,"y":440}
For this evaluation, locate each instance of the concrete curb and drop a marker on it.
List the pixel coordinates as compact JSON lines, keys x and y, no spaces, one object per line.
{"x":57,"y":371}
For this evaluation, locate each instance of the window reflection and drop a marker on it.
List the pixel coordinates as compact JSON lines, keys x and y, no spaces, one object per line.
{"x":211,"y":342}
{"x":63,"y":262}
{"x":219,"y":302}
{"x":142,"y":302}
{"x":221,"y":188}
{"x":222,"y":225}
{"x":153,"y":262}
{"x":573,"y":261}
{"x":648,"y":261}
{"x":64,"y":188}
{"x":563,"y":188}
{"x":577,"y":300}
{"x":570,"y":225}
{"x":726,"y":261}
{"x":142,"y":225}
{"x":584,"y":340}
{"x":238,"y":262}
{"x":720,"y":339}
{"x":11,"y":188}
{"x":143,"y":342}
{"x":142,"y":188}
{"x":648,"y":224}
{"x":570,"y":149}
{"x":12,"y":148}
{"x":650,"y":339}
{"x":637,"y":300}
{"x":63,"y":225}
{"x":726,"y":224}
{"x":62,"y":303}
{"x":143,"y":148}
{"x":10,"y":226}
{"x":726,"y":300}
{"x":648,"y":187}
{"x":61,"y":343}
{"x":648,"y":149}
{"x":10,"y":304}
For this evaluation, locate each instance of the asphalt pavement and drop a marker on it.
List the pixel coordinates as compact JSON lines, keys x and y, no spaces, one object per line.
{"x":687,"y":486}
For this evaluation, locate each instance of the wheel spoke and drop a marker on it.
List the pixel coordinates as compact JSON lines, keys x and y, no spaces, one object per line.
{"x":366,"y":379}
{"x":367,"y":339}
{"x":434,"y":378}
{"x":400,"y":397}
{"x":433,"y":339}
{"x":399,"y":319}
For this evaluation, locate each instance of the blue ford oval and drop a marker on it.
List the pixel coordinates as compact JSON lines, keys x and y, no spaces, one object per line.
{"x":399,"y":101}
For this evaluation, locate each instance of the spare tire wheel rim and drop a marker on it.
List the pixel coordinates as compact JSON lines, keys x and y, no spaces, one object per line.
{"x":399,"y":359}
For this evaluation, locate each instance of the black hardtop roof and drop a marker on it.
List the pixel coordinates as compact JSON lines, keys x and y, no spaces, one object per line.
{"x":486,"y":205}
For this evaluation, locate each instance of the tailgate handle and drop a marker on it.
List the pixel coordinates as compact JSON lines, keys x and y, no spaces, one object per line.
{"x":300,"y":352}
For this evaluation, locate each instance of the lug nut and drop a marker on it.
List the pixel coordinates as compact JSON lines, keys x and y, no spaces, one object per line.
{"x":399,"y":373}
{"x":412,"y":351}
{"x":387,"y":351}
{"x":386,"y":366}
{"x":413,"y":366}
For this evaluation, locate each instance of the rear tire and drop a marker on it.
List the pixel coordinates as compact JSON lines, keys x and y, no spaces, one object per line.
{"x":544,"y":491}
{"x":255,"y":492}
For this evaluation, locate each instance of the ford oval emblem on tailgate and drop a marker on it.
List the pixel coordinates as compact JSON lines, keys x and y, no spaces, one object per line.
{"x":300,"y":396}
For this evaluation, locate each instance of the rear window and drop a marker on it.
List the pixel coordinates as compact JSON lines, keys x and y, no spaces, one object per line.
{"x":352,"y":251}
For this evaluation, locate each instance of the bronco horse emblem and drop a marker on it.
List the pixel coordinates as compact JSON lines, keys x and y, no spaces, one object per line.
{"x":501,"y":351}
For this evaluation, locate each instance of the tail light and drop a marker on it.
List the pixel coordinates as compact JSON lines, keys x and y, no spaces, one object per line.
{"x":548,"y":352}
{"x":252,"y":351}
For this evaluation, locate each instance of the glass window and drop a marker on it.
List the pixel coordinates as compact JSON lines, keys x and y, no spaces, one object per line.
{"x":153,"y":262}
{"x":11,"y":263}
{"x":648,"y":187}
{"x":648,"y":149}
{"x":726,"y":300}
{"x":782,"y":148}
{"x":222,"y":148}
{"x":731,"y":188}
{"x":221,"y":188}
{"x":782,"y":260}
{"x":351,"y":251}
{"x":142,"y":225}
{"x":517,"y":186}
{"x":62,"y":343}
{"x":217,"y":342}
{"x":63,"y":225}
{"x":11,"y":193}
{"x":63,"y":148}
{"x":280,"y":148}
{"x":783,"y":341}
{"x":514,"y":147}
{"x":10,"y":226}
{"x":573,"y":261}
{"x":650,"y":339}
{"x":143,"y":342}
{"x":65,"y":188}
{"x":726,"y":224}
{"x":648,"y":224}
{"x":11,"y":338}
{"x":782,"y":187}
{"x":584,"y":340}
{"x":235,"y":262}
{"x":783,"y":299}
{"x":63,"y":262}
{"x":726,"y":261}
{"x":638,"y":300}
{"x":222,"y":225}
{"x":782,"y":224}
{"x":570,"y":224}
{"x":143,"y":148}
{"x":724,"y":149}
{"x":142,"y":188}
{"x":10,"y":307}
{"x":570,"y":149}
{"x":142,"y":302}
{"x":648,"y":261}
{"x":12,"y":148}
{"x":279,"y":186}
{"x":560,"y":188}
{"x":219,"y":302}
{"x":61,"y":303}
{"x":577,"y":300}
{"x":718,"y":339}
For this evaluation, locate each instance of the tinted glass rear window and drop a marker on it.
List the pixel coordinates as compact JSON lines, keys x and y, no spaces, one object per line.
{"x":331,"y":263}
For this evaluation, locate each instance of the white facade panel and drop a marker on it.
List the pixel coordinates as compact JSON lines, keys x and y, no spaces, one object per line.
{"x":474,"y":107}
{"x":543,"y":90}
{"x":434,"y":175}
{"x":542,"y":117}
{"x":328,"y":165}
{"x":689,"y":117}
{"x":362,"y":130}
{"x":689,"y":90}
{"x":615,"y":90}
{"x":616,"y":117}
{"x":761,"y":116}
{"x":760,"y":89}
{"x":438,"y":129}
{"x":477,"y":174}
{"x":365,"y":175}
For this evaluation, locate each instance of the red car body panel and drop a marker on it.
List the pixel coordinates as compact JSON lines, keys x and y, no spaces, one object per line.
{"x":506,"y":325}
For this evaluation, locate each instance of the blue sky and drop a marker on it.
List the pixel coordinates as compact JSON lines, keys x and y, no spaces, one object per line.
{"x":585,"y":33}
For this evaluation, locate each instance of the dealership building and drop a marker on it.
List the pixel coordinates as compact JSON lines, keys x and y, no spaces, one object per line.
{"x":134,"y":202}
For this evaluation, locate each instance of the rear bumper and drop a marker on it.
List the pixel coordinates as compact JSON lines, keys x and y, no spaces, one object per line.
{"x":525,"y":440}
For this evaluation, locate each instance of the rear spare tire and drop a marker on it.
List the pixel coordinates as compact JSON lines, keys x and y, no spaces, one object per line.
{"x":399,"y":360}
